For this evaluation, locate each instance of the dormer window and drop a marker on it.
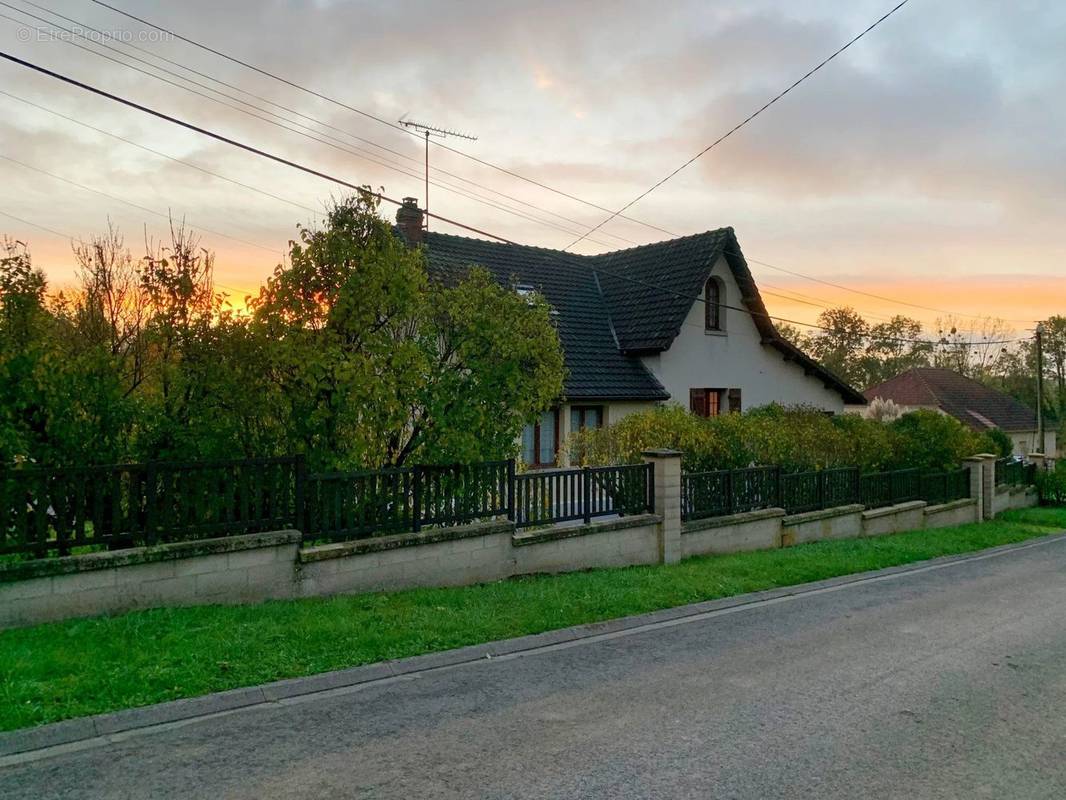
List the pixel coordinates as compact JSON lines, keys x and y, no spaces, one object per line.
{"x":526,"y":290}
{"x":714,"y":305}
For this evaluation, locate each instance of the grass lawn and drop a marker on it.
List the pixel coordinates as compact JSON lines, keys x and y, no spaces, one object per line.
{"x":69,"y":669}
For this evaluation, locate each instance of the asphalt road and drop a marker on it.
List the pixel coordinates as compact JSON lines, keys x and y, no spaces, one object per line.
{"x":945,"y":683}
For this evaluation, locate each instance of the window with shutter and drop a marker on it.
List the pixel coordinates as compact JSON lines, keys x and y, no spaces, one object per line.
{"x":705,"y":402}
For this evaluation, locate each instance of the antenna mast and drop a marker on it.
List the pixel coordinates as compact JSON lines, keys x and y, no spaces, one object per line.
{"x":440,"y":133}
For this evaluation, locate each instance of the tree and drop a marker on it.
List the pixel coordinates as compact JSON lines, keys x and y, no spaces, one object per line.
{"x":23,"y":347}
{"x":894,"y":346}
{"x":841,"y":342}
{"x":1055,"y":360}
{"x":975,"y":350}
{"x":380,"y":366}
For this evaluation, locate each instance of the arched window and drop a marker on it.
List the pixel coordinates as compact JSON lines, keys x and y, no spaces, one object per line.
{"x":714,"y":295}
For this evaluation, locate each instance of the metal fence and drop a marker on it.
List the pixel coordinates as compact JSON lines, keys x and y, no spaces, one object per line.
{"x":877,"y":489}
{"x":724,"y":492}
{"x":353,"y":505}
{"x":729,"y":491}
{"x":546,"y":497}
{"x":1011,"y":472}
{"x":58,"y":511}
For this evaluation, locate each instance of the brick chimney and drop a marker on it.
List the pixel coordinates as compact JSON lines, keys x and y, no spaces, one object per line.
{"x":409,"y":221}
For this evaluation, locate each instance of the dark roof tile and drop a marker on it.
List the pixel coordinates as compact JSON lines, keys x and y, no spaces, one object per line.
{"x":970,"y":402}
{"x":615,"y":305}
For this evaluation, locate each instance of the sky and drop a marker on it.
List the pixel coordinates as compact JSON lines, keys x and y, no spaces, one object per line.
{"x":925,"y":165}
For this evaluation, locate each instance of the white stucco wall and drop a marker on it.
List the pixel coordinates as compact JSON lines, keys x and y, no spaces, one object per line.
{"x":1025,"y":442}
{"x":735,"y":358}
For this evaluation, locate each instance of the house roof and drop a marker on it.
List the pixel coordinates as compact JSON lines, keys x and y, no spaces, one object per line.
{"x":616,"y":306}
{"x":970,"y":402}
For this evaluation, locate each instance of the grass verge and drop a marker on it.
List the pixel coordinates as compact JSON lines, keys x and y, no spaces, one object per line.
{"x":70,"y":669}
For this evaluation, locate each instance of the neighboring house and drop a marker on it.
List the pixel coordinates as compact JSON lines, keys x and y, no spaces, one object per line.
{"x":634,"y":334}
{"x":971,"y":403}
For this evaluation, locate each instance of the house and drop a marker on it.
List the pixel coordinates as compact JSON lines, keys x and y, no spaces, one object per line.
{"x":971,"y":403}
{"x":680,"y":320}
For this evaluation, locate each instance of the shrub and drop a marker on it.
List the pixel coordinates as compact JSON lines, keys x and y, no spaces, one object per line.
{"x":1052,"y":484}
{"x":999,"y":442}
{"x":794,"y":438}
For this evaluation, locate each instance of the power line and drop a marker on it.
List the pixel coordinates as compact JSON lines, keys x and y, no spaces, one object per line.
{"x":34,"y":225}
{"x":368,"y":115}
{"x":532,"y":181}
{"x":736,"y":127}
{"x":132,"y":204}
{"x":161,"y":154}
{"x":233,"y":142}
{"x":871,"y":294}
{"x":767,"y":315}
{"x":307,"y":132}
{"x":294,"y":164}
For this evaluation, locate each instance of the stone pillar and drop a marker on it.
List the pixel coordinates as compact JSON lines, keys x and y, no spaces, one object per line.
{"x":666,"y":467}
{"x":976,"y":465}
{"x":988,"y":483}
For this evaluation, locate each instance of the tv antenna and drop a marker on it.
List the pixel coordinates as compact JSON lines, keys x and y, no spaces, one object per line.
{"x":440,"y":133}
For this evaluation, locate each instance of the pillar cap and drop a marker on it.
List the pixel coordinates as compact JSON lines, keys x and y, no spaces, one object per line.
{"x":662,"y":452}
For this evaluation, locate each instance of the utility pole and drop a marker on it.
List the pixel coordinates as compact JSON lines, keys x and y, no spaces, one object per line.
{"x":1040,"y":388}
{"x":441,"y":133}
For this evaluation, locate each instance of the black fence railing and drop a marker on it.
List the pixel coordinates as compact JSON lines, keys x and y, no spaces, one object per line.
{"x":725,"y":492}
{"x":1011,"y":472}
{"x":813,"y":491}
{"x":944,"y":487}
{"x":729,"y":491}
{"x":49,"y":512}
{"x":59,"y":511}
{"x":547,"y":497}
{"x":877,"y":489}
{"x":354,"y":505}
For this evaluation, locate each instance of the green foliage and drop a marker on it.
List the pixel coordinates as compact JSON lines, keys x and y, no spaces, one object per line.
{"x":1000,"y":443}
{"x":380,"y":366}
{"x":351,"y":355}
{"x":795,"y":438}
{"x":1052,"y":484}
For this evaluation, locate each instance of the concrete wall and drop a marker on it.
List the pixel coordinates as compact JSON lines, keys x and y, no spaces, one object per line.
{"x":273,"y":565}
{"x":754,"y":530}
{"x":237,"y":569}
{"x":893,"y":519}
{"x":243,"y":569}
{"x":734,"y":358}
{"x":813,"y":526}
{"x":1025,"y":442}
{"x":959,"y":512}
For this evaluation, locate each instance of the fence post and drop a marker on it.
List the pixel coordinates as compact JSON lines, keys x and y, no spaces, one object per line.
{"x":666,"y":480}
{"x":416,"y":499}
{"x":980,"y":484}
{"x":586,"y":494}
{"x":511,"y":490}
{"x":300,"y":494}
{"x":650,"y":499}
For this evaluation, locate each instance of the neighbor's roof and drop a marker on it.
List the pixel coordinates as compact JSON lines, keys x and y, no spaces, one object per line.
{"x":616,"y":306}
{"x":970,"y":402}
